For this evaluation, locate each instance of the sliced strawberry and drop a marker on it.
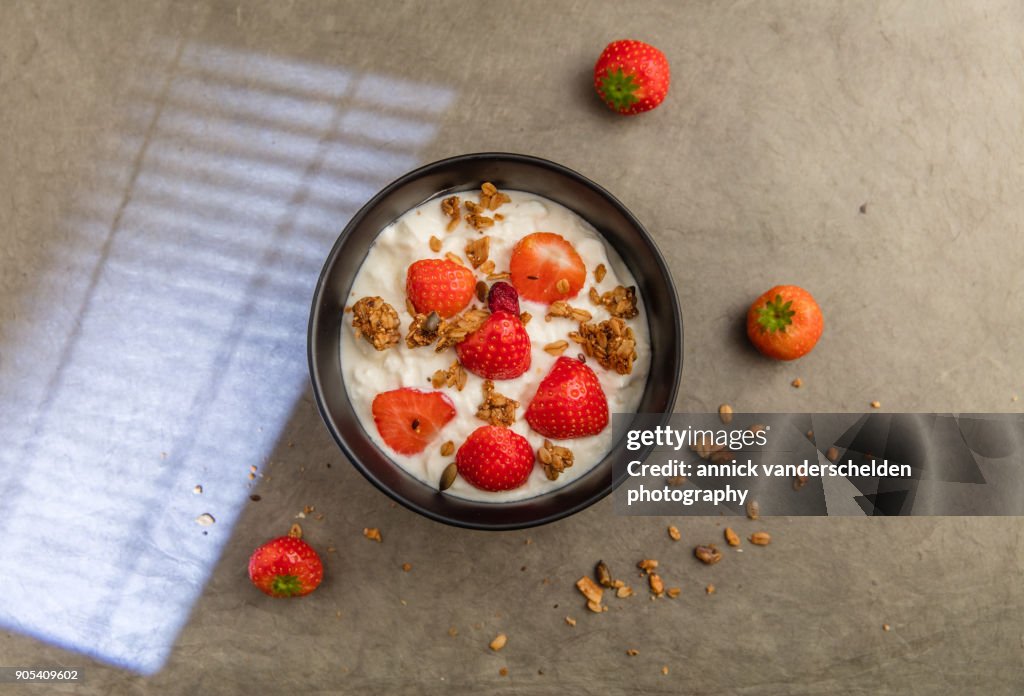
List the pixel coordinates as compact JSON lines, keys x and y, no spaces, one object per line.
{"x":439,"y":285}
{"x":408,"y":419}
{"x":502,"y":297}
{"x":495,"y":458}
{"x":545,"y":267}
{"x":569,"y":402}
{"x":286,"y":567}
{"x":500,"y":349}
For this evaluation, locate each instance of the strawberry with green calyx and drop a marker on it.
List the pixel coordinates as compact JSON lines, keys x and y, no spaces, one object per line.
{"x":785,"y":322}
{"x":631,"y":76}
{"x":286,"y":566}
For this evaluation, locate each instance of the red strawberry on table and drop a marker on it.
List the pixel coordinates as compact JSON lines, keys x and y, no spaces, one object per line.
{"x":545,"y":267}
{"x":286,"y":566}
{"x":439,"y":285}
{"x":409,"y":419}
{"x":495,"y":459}
{"x":500,"y":349}
{"x":631,"y":76}
{"x":569,"y":402}
{"x":785,"y":322}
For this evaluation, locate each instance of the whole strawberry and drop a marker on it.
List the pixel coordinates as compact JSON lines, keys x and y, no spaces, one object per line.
{"x":286,"y":566}
{"x":439,"y":285}
{"x":569,"y":402}
{"x":495,"y":459}
{"x":502,"y":297}
{"x":631,"y":76}
{"x":785,"y":322}
{"x":500,"y":349}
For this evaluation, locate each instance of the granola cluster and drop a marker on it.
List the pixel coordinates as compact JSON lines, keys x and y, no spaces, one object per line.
{"x":560,"y":308}
{"x":455,"y":329}
{"x":490,"y":200}
{"x":554,"y":459}
{"x":454,"y":376}
{"x":478,"y":250}
{"x":610,"y":342}
{"x":450,"y":207}
{"x":620,"y":302}
{"x":423,"y":330}
{"x":376,"y":321}
{"x":497,"y":409}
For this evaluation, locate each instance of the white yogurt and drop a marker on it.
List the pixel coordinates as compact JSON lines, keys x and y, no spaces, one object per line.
{"x":368,"y":372}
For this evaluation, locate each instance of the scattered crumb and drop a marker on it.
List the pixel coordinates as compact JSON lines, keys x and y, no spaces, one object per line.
{"x":832,"y":454}
{"x":632,"y":652}
{"x":592,"y":592}
{"x":499,"y":642}
{"x":710,"y":589}
{"x":624,"y":591}
{"x":657,"y":586}
{"x":863,"y":208}
{"x":205,"y":520}
{"x":198,"y":490}
{"x":673,"y":592}
{"x":571,"y":621}
{"x":647,"y":565}
{"x":731,"y":537}
{"x":373,"y":534}
{"x":707,"y":554}
{"x":761,"y":538}
{"x":886,"y":627}
{"x":255,"y":497}
{"x":797,"y":383}
{"x":673,"y":533}
{"x":876,"y":404}
{"x":503,"y":671}
{"x":435,"y":244}
{"x":725,"y":413}
{"x":664,"y":670}
{"x":407,"y":567}
{"x":452,"y":631}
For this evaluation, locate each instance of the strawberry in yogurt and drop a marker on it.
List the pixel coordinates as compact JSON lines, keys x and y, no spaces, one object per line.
{"x":496,"y":331}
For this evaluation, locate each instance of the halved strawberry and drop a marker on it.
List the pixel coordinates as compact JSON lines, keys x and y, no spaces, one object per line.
{"x":439,"y":285}
{"x":495,"y":458}
{"x":569,"y":402}
{"x":545,"y":267}
{"x":500,"y":349}
{"x":408,"y":419}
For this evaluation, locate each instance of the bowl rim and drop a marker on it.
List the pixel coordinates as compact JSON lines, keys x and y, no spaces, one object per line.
{"x":317,"y":305}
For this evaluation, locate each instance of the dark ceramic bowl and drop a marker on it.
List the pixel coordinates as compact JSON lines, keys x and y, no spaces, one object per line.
{"x":466,"y":172}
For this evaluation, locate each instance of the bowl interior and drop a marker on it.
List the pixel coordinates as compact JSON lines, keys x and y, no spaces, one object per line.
{"x":467,"y":172}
